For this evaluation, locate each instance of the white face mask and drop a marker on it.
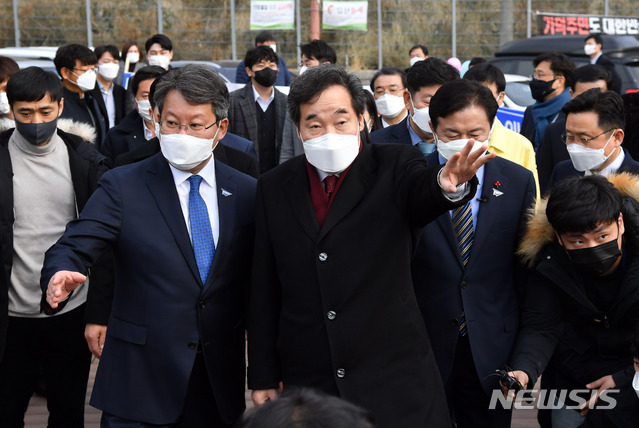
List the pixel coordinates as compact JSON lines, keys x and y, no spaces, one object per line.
{"x":332,"y":153}
{"x":635,"y":383}
{"x":86,"y":81}
{"x":274,"y":47}
{"x":415,"y":59}
{"x":585,"y":159}
{"x":303,"y":69}
{"x":159,"y":60}
{"x":133,"y":57}
{"x":390,"y":105}
{"x":185,"y":151}
{"x":4,"y":103}
{"x":143,"y":110}
{"x":421,"y":118}
{"x":109,"y":71}
{"x":590,"y":49}
{"x":449,"y":148}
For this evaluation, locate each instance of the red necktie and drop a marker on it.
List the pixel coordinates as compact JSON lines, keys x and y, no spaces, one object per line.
{"x":329,"y":184}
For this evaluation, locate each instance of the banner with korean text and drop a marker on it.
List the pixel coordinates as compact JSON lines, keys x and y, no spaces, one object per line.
{"x":272,"y":14}
{"x":344,"y":15}
{"x":553,"y":24}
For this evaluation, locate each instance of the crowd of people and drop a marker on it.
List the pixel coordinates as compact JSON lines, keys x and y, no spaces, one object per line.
{"x":381,"y":252}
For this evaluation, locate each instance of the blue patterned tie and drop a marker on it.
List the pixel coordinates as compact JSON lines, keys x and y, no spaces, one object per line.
{"x":201,"y":234}
{"x":463,"y":226}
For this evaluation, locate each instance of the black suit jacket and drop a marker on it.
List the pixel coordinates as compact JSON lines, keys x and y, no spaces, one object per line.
{"x":489,"y":289}
{"x":243,"y":116}
{"x":340,"y":296}
{"x":397,"y":133}
{"x":119,"y":97}
{"x":86,"y":110}
{"x":565,"y":169}
{"x":551,"y":151}
{"x":161,"y":308}
{"x":126,"y":136}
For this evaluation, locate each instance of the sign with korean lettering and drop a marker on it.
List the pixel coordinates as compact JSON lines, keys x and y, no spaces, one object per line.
{"x":273,"y":14}
{"x":344,"y":15}
{"x":553,"y":24}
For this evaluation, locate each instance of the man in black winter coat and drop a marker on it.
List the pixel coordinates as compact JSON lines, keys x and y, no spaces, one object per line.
{"x":582,"y":301}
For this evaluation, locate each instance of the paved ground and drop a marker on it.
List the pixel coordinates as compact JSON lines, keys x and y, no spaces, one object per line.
{"x":37,"y":414}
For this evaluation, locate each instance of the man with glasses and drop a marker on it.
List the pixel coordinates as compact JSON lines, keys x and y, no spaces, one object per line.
{"x":77,"y":65}
{"x":388,"y":86}
{"x":181,"y":227}
{"x":594,"y":133}
{"x":422,"y":82}
{"x":549,"y":87}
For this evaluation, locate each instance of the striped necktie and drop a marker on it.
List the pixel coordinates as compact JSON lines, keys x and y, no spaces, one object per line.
{"x":201,"y":234}
{"x":463,"y":226}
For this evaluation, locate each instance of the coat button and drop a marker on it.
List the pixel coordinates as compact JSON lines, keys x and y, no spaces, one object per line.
{"x":463,"y":284}
{"x":322,"y":257}
{"x":341,"y":373}
{"x":202,"y":304}
{"x":192,"y":345}
{"x":331,"y":315}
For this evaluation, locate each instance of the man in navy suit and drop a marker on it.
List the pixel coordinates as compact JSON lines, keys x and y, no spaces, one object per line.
{"x":181,"y":227}
{"x":466,"y":278}
{"x":423,"y":80}
{"x":595,"y":123}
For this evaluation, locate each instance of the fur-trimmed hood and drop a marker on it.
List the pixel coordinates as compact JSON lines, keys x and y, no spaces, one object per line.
{"x":540,"y":232}
{"x":82,"y":130}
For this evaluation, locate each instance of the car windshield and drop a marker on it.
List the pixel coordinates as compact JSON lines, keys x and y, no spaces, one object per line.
{"x":519,"y":93}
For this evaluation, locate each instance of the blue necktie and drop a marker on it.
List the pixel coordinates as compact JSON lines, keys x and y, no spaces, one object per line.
{"x":463,"y":225}
{"x":201,"y":234}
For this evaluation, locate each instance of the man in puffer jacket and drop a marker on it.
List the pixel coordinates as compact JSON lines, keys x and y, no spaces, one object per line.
{"x":582,"y":301}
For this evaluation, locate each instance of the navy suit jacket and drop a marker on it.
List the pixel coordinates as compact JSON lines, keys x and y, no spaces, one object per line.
{"x":566,"y":169}
{"x":397,"y":133}
{"x":161,"y":310}
{"x":124,"y":137}
{"x":488,"y":289}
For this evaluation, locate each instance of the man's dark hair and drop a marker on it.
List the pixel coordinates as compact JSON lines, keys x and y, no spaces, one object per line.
{"x":487,"y":73}
{"x":429,"y":72}
{"x":607,"y":105}
{"x":160,"y":39}
{"x":198,"y":84}
{"x":8,"y":67}
{"x":102,"y":49}
{"x":316,"y":80}
{"x":458,"y":95}
{"x":33,"y":84}
{"x":560,"y":64}
{"x":320,"y":50}
{"x":476,"y":60}
{"x":388,"y":71}
{"x":307,"y":408}
{"x":259,"y":53}
{"x":264,"y":36}
{"x":596,"y":37}
{"x":591,"y":73}
{"x":152,"y":90}
{"x":422,"y":47}
{"x":145,"y":73}
{"x":580,"y":204}
{"x":66,"y":56}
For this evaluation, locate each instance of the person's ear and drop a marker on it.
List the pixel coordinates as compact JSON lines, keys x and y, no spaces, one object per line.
{"x":65,"y":73}
{"x":249,"y":72}
{"x":407,"y":102}
{"x":618,"y":137}
{"x":558,"y":238}
{"x":60,"y":107}
{"x":360,"y":121}
{"x":170,"y":55}
{"x":500,"y":98}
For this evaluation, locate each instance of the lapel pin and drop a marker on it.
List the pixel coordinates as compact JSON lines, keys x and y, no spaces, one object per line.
{"x":226,"y":192}
{"x":496,"y":191}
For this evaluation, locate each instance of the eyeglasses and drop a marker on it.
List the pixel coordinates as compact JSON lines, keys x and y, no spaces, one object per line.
{"x":192,"y":128}
{"x":540,"y":75}
{"x":570,"y":139}
{"x":90,"y":70}
{"x":390,"y":90}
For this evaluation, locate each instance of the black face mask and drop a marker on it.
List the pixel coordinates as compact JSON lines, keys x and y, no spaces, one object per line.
{"x":37,"y":133}
{"x":266,"y":77}
{"x":540,"y":89}
{"x":596,"y":260}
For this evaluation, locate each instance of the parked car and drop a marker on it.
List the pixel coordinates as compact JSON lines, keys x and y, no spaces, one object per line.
{"x":38,"y":56}
{"x":518,"y":95}
{"x":516,"y":57}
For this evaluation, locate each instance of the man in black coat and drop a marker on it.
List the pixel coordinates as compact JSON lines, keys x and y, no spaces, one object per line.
{"x":331,"y":303}
{"x":582,"y":305}
{"x":594,"y":49}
